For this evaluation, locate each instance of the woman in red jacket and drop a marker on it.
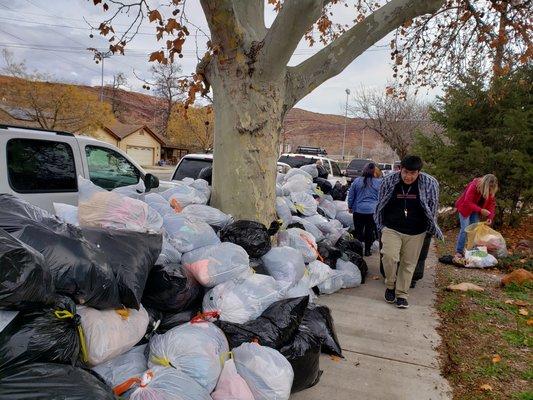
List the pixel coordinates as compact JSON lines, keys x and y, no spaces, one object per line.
{"x":478,"y":198}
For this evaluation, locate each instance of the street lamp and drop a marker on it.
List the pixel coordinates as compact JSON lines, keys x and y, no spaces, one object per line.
{"x":345,"y":120}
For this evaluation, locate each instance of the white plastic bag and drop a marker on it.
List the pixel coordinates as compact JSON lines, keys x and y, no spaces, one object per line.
{"x":203,"y":187}
{"x":320,"y":222}
{"x":169,"y":254}
{"x":333,"y":284}
{"x":298,"y":184}
{"x":283,"y":211}
{"x":300,"y":240}
{"x":216,"y":264}
{"x":134,"y":191}
{"x":161,"y":383}
{"x":335,"y":231}
{"x":352,"y":275}
{"x":182,"y":195}
{"x":207,"y":214}
{"x":268,"y":373}
{"x":187,"y":235}
{"x":194,"y":349}
{"x":309,"y":227}
{"x":304,"y":203}
{"x":319,"y":272}
{"x":109,"y":333}
{"x":284,"y":264}
{"x":340,"y":205}
{"x":290,"y":204}
{"x":159,"y":204}
{"x":300,"y":172}
{"x":102,"y":209}
{"x":345,"y":218}
{"x":479,"y":259}
{"x":123,"y":367}
{"x":67,"y":213}
{"x":328,"y":207}
{"x":301,"y":288}
{"x":311,"y":169}
{"x":243,"y":299}
{"x":230,"y":385}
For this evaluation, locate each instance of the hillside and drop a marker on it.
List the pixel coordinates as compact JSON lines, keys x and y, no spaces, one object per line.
{"x":301,"y":127}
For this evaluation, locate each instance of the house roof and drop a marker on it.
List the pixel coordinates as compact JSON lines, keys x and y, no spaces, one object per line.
{"x":120,"y":131}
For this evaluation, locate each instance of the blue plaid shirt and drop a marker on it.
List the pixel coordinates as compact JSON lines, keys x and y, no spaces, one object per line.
{"x":428,"y":188}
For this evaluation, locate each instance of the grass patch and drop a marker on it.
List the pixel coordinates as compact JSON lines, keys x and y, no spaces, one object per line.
{"x":518,"y":292}
{"x":528,"y":395}
{"x":528,"y":374}
{"x":450,"y":304}
{"x":491,"y":370}
{"x":517,"y":338}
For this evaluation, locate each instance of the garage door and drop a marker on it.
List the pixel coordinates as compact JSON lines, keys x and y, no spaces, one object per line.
{"x":143,"y":155}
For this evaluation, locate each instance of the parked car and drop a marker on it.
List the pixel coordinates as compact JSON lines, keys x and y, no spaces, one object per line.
{"x":297,"y":160}
{"x":386,"y":168}
{"x":42,"y":166}
{"x":191,"y":165}
{"x":355,"y":168}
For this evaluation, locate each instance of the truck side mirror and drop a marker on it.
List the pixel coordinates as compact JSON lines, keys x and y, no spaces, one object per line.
{"x":150,"y":182}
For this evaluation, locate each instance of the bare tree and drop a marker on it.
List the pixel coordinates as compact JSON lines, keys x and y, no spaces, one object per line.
{"x":119,"y":81}
{"x":395,"y":120}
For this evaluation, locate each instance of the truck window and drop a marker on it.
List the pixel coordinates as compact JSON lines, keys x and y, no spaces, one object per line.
{"x":110,"y":169}
{"x":336,"y":169}
{"x":190,"y":168}
{"x":41,"y":166}
{"x":297,"y":161}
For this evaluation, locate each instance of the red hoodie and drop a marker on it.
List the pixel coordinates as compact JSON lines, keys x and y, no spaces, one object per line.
{"x":468,"y":202}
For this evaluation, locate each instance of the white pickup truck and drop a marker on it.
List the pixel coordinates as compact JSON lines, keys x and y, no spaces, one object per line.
{"x":42,"y":166}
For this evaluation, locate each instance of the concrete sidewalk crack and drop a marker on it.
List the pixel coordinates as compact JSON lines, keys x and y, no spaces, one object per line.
{"x":391,"y":359}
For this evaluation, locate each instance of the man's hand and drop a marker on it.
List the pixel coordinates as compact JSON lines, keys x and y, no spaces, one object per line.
{"x":485,"y":212}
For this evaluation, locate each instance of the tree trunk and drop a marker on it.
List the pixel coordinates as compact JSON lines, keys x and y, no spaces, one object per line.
{"x":248,"y":120}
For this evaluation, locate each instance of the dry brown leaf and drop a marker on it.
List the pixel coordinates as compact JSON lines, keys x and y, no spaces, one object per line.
{"x":523,"y":311}
{"x":509,"y":301}
{"x":486,"y":387}
{"x":496,"y":358}
{"x":530,"y":322}
{"x":521,"y":303}
{"x":335,"y":358}
{"x":464,"y":287}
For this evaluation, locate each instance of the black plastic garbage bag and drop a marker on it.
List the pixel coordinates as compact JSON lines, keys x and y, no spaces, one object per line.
{"x":168,"y":290}
{"x":349,"y":242}
{"x":275,"y":327}
{"x":324,"y":185}
{"x":25,"y":277}
{"x":339,"y":191}
{"x":47,"y":381}
{"x":131,"y":256}
{"x":250,"y":235}
{"x":79,"y":269}
{"x":304,"y":355}
{"x":319,"y":321}
{"x":170,"y":321}
{"x":322,"y":171}
{"x":330,"y":254}
{"x":49,"y":335}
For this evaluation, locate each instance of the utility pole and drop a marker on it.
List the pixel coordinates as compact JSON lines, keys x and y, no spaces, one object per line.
{"x":99,"y":57}
{"x":345,"y":121}
{"x":362,"y":141}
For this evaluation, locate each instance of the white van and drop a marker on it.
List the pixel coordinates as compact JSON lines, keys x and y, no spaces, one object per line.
{"x":42,"y":166}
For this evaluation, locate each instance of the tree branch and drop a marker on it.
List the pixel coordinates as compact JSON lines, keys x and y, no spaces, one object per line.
{"x":251,"y":17}
{"x":223,"y":25}
{"x":294,"y":19}
{"x":335,"y":57}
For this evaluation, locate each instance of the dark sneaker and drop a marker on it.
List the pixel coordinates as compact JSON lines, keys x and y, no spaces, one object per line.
{"x":390,"y":295}
{"x":402,"y":303}
{"x":413,"y":284}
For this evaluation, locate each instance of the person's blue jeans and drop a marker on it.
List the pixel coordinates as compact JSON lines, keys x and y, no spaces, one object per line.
{"x":464,"y":221}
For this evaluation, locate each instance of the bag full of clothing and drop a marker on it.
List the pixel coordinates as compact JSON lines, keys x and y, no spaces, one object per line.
{"x":298,"y":172}
{"x":319,"y":272}
{"x":284,"y":264}
{"x":481,"y":234}
{"x":276,"y":326}
{"x":283,"y":211}
{"x":159,"y":204}
{"x":110,"y":333}
{"x":300,"y":240}
{"x":243,"y":299}
{"x":479,"y":258}
{"x":339,"y":191}
{"x":230,"y":385}
{"x":194,"y":349}
{"x":311,"y":169}
{"x":348,"y":243}
{"x":169,"y":290}
{"x":131,"y":364}
{"x":202,"y":186}
{"x":328,"y":207}
{"x":358,"y":260}
{"x":25,"y":277}
{"x":329,"y":253}
{"x":345,"y":218}
{"x":298,"y":184}
{"x":216,"y":264}
{"x":268,"y":374}
{"x":210,"y":215}
{"x":324,"y":185}
{"x":340,"y":205}
{"x":79,"y":269}
{"x":318,"y":320}
{"x":333,"y":284}
{"x":48,"y":334}
{"x":301,"y":288}
{"x":162,"y":383}
{"x":184,"y":195}
{"x":186,"y":234}
{"x":67,"y":213}
{"x":131,"y":256}
{"x":303,"y":352}
{"x":250,"y":235}
{"x":352,"y":276}
{"x":169,"y":254}
{"x":135,"y":191}
{"x":305,"y":203}
{"x":309,"y":227}
{"x":39,"y":381}
{"x":99,"y":208}
{"x":335,"y":231}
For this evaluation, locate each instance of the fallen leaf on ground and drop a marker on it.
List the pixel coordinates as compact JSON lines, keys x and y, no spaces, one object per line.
{"x":465,"y":287}
{"x":523,"y":311}
{"x":530,"y":321}
{"x":520,"y":303}
{"x":509,"y":301}
{"x":374,"y":278}
{"x":496,"y":358}
{"x":335,"y":358}
{"x":486,"y":387}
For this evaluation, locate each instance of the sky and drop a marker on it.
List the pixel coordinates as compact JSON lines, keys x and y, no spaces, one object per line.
{"x":52,"y":37}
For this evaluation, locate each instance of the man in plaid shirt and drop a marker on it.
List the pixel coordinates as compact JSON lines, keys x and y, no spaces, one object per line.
{"x":407,"y":209}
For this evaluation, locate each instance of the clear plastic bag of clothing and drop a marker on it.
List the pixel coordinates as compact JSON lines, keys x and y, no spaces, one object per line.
{"x":305,"y":203}
{"x":230,"y":385}
{"x":352,"y":276}
{"x":309,"y":227}
{"x":187,"y":235}
{"x":212,"y":216}
{"x":184,"y":195}
{"x":300,"y":240}
{"x":128,"y":365}
{"x":319,"y":272}
{"x":283,"y":211}
{"x":67,"y":213}
{"x":284,"y":264}
{"x":216,"y":264}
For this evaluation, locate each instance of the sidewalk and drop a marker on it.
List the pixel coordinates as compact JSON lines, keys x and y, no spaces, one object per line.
{"x":390,"y":353}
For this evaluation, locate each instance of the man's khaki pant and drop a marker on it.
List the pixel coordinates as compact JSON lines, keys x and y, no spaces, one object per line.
{"x":398,"y":247}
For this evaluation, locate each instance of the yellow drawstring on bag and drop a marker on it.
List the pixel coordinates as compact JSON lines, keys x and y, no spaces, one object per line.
{"x":62,"y":314}
{"x":165,"y":362}
{"x":228,"y":355}
{"x":123,"y":312}
{"x":300,"y":208}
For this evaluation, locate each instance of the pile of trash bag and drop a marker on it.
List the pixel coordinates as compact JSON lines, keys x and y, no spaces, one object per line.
{"x":480,"y":234}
